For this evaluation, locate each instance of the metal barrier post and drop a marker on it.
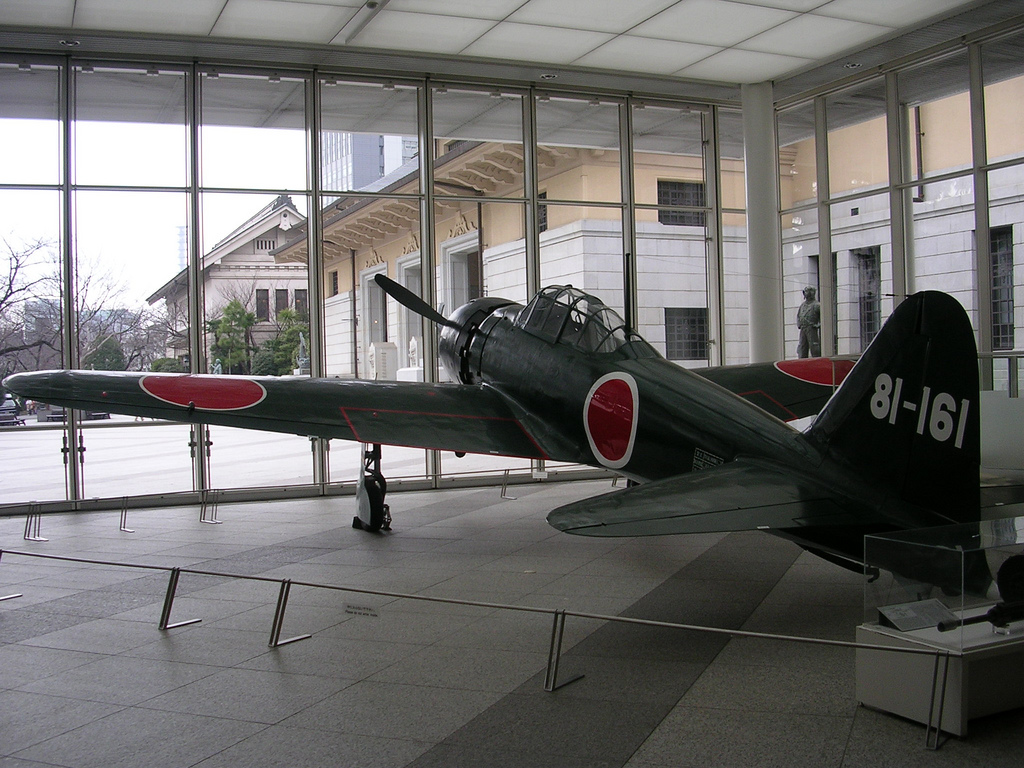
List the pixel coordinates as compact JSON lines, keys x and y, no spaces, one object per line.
{"x":33,"y":523}
{"x":8,"y":597}
{"x":210,"y":501}
{"x":124,"y":516}
{"x":165,"y":614}
{"x":555,"y":651}
{"x":504,"y":489}
{"x":275,"y":629}
{"x":933,"y":728}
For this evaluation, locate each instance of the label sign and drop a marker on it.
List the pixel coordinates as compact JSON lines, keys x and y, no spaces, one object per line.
{"x":939,"y":414}
{"x":610,"y":414}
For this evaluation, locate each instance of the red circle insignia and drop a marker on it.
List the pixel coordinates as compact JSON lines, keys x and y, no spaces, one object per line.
{"x":207,"y":393}
{"x":610,"y":417}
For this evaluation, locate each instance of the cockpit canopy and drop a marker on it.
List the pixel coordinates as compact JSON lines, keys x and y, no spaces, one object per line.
{"x":561,"y":313}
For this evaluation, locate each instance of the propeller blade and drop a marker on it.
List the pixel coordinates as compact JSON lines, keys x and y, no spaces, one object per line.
{"x":411,"y":301}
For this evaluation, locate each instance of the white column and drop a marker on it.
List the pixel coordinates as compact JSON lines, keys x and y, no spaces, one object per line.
{"x":764,"y":247}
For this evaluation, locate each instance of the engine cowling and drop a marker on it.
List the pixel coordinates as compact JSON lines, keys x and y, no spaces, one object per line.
{"x":454,"y":344}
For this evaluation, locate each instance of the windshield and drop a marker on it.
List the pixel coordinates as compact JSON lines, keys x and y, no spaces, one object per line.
{"x":569,"y":316}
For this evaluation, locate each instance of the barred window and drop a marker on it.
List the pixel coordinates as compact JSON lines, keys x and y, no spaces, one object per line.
{"x":869,"y":275}
{"x":302,"y":303}
{"x":686,"y":333}
{"x":262,"y":304}
{"x":690,"y":193}
{"x":1001,"y":246}
{"x":280,"y":300}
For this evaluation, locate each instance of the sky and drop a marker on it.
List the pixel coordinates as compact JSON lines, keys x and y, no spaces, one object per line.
{"x":136,"y":234}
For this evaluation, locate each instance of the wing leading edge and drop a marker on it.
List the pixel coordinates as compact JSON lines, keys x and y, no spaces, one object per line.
{"x":743,"y":495}
{"x":469,"y":419}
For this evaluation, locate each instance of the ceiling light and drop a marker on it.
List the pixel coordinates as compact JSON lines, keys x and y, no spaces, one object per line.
{"x":70,"y":43}
{"x":852,"y":65}
{"x":548,"y":76}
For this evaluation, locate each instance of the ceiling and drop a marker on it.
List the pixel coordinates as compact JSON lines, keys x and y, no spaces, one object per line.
{"x":712,"y":41}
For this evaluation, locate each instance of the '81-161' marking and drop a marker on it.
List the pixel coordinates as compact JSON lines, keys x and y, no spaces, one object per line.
{"x":939,"y":413}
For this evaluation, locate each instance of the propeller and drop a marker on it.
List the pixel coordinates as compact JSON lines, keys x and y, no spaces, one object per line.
{"x":411,"y":301}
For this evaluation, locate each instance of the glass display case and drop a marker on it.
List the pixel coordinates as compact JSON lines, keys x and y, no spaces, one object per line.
{"x":954,"y":596}
{"x":953,"y":586}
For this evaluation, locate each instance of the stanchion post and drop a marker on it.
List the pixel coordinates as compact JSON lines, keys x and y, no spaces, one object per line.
{"x":554,"y":652}
{"x":33,"y":523}
{"x":124,"y":516}
{"x":7,"y":597}
{"x":275,"y":629}
{"x":933,"y":729}
{"x":165,"y":614}
{"x":504,"y":488}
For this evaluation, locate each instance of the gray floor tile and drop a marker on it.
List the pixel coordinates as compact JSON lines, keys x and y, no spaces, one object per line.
{"x":26,"y":719}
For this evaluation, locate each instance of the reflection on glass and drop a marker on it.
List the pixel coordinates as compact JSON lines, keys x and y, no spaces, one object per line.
{"x":668,"y":156}
{"x":798,"y":181}
{"x":253,"y":132}
{"x":479,"y":143}
{"x":857,"y":156}
{"x":863,"y":262}
{"x":368,"y":136}
{"x":29,"y":97}
{"x":578,"y":149}
{"x":130,"y":127}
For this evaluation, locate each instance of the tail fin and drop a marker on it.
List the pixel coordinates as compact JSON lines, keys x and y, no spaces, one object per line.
{"x":907,"y":416}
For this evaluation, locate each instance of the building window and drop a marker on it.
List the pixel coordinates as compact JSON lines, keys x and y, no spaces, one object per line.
{"x":542,"y":213}
{"x":262,"y":304}
{"x":302,"y":303}
{"x":280,"y":300}
{"x":688,"y":193}
{"x":1001,"y":247}
{"x":869,"y":288}
{"x":686,"y":333}
{"x":334,"y":282}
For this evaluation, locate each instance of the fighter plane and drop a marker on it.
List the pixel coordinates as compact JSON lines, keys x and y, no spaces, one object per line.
{"x":896,"y":445}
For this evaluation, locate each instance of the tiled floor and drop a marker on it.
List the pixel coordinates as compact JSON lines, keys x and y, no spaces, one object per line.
{"x":87,"y":679}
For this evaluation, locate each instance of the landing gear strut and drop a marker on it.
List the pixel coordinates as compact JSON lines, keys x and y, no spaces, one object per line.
{"x":373,"y":514}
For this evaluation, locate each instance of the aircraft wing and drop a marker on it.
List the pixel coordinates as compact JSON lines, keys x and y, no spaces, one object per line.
{"x":741,"y":495}
{"x":452,"y":417}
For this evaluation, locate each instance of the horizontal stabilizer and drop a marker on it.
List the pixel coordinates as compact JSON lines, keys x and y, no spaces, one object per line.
{"x":742,"y":495}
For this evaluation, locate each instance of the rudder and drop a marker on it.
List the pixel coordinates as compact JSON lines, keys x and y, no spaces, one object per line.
{"x":907,"y":416}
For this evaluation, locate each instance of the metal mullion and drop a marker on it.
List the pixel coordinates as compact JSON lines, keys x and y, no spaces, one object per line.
{"x":900,"y":227}
{"x":982,"y":232}
{"x":69,"y":314}
{"x":195,"y":296}
{"x":627,"y":215}
{"x":715,"y":247}
{"x":315,"y":261}
{"x":828,"y":290}
{"x":428,"y":258}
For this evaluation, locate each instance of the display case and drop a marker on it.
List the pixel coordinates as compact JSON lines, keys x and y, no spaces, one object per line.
{"x":958,"y":592}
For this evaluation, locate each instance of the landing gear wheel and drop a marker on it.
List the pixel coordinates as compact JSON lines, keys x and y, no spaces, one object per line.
{"x":373,"y":514}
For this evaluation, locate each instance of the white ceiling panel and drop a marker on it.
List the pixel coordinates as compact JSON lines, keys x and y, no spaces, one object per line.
{"x":25,"y":13}
{"x":398,"y":30}
{"x":736,"y":66}
{"x":282,"y":20}
{"x":194,"y":17}
{"x":644,"y":54}
{"x":763,"y":38}
{"x":712,"y":22}
{"x":887,"y":12}
{"x":814,"y":37}
{"x":535,"y":43}
{"x":596,"y":15}
{"x":495,"y":10}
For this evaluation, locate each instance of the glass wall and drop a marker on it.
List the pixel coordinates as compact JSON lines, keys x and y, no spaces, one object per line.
{"x":899,"y":190}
